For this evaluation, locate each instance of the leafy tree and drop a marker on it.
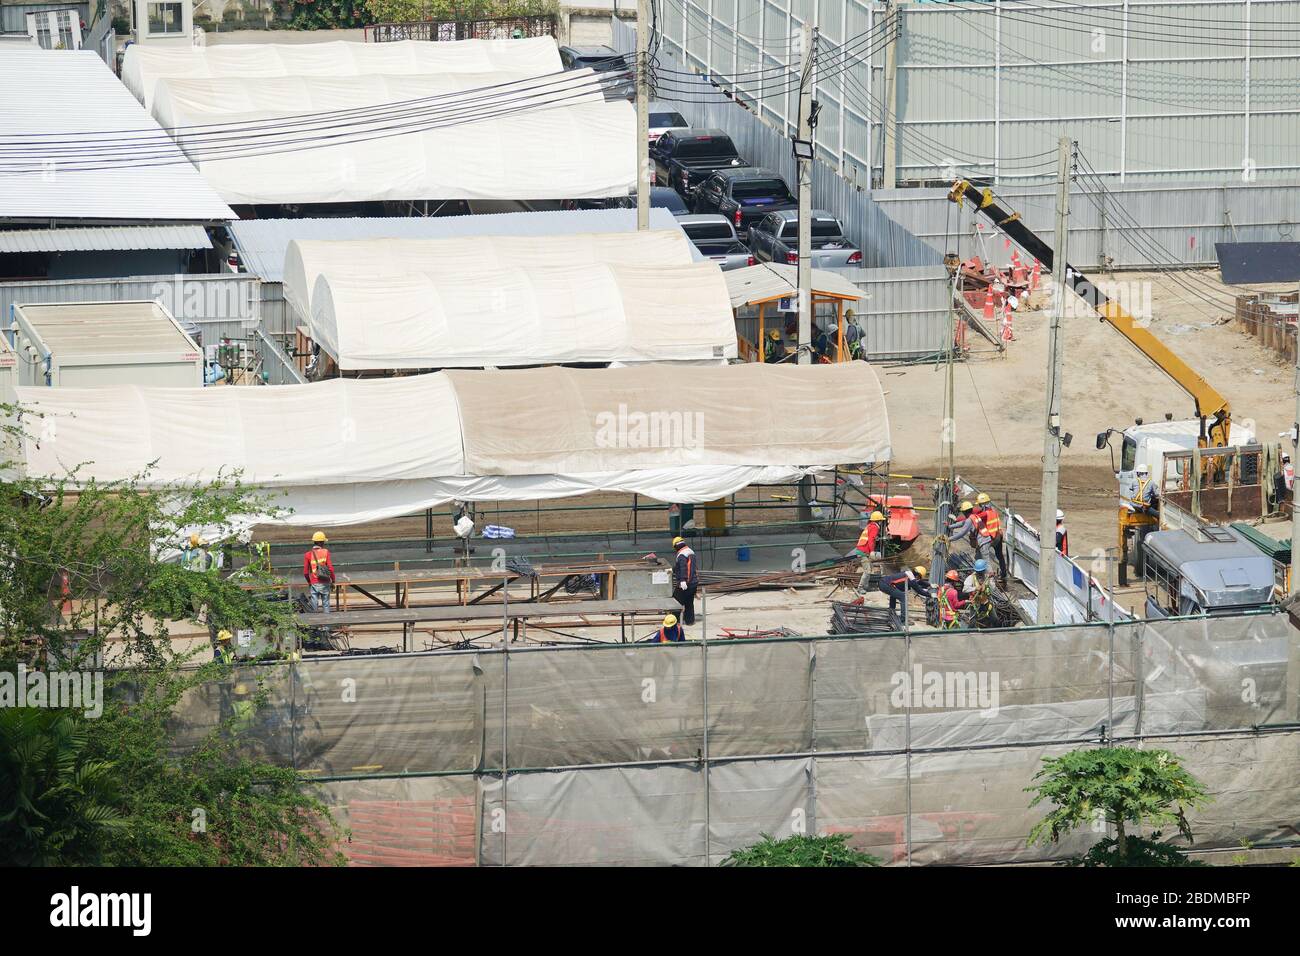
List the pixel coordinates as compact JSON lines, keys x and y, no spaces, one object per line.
{"x":801,"y":851}
{"x":1129,"y":788}
{"x":331,"y":14}
{"x":403,"y":11}
{"x":58,"y":803}
{"x":82,"y":578}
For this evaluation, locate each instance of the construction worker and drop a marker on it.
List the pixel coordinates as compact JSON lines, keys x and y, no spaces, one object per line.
{"x":949,"y":601}
{"x":194,"y":556}
{"x":670,"y":632}
{"x":773,"y":348}
{"x":686,"y":578}
{"x":897,"y":586}
{"x":1288,"y":472}
{"x":1147,"y":498}
{"x":867,"y":550}
{"x":978,"y":592}
{"x":222,"y":652}
{"x":318,"y":569}
{"x":991,"y":525}
{"x":852,"y":335}
{"x":1062,"y":536}
{"x":970,"y":528}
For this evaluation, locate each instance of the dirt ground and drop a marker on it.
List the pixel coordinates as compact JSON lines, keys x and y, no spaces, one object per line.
{"x":1107,"y":383}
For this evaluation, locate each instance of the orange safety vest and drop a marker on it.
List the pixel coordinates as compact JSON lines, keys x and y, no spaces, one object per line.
{"x":992,"y":523}
{"x":319,"y":562}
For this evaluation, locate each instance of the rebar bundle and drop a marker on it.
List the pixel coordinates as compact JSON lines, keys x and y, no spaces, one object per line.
{"x":849,"y":618}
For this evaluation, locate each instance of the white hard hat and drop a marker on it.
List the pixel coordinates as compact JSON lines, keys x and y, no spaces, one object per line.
{"x":1143,"y":470}
{"x":1060,"y":515}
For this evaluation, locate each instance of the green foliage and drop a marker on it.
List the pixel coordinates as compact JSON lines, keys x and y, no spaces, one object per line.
{"x":81,"y":576}
{"x":1138,"y":851}
{"x":404,"y":11}
{"x":58,"y":802}
{"x":801,"y":851}
{"x":331,"y":14}
{"x":1128,"y":788}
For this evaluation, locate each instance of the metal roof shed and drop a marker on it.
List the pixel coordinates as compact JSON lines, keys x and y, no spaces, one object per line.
{"x":93,"y":134}
{"x":103,"y":343}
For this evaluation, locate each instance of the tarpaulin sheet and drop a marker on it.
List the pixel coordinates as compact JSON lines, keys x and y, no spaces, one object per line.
{"x":760,"y":699}
{"x":508,"y":301}
{"x":306,"y":260}
{"x":145,"y":64}
{"x":748,"y":799}
{"x":348,"y":451}
{"x":619,"y":816}
{"x":865,"y":797}
{"x":1258,"y":262}
{"x":413,"y":821}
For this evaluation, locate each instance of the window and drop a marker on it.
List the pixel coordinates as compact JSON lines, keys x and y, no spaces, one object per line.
{"x":1128,"y":456}
{"x":716,"y":147}
{"x":699,"y":231}
{"x":1164,"y":583}
{"x":665,"y":120}
{"x":760,"y":189}
{"x":166,"y":18}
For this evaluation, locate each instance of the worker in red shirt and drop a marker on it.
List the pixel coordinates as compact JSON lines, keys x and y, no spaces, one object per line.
{"x":318,"y":569}
{"x":950,"y":601}
{"x":867,"y":550}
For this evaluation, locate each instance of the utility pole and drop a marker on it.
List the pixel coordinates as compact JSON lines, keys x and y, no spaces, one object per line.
{"x":642,"y":114}
{"x":1295,"y":456}
{"x":804,"y":159}
{"x":889,"y":102}
{"x":1052,"y":431}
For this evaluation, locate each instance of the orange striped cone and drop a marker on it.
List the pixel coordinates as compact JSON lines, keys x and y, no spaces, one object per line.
{"x":1037,"y":274}
{"x":988,"y":303}
{"x":1017,"y":268}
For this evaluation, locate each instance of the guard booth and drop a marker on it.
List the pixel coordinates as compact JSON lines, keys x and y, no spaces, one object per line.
{"x":765,"y":297}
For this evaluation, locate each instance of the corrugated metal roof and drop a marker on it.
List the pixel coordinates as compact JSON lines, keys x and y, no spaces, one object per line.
{"x":768,"y":281}
{"x":105,"y":328}
{"x":71,"y":97}
{"x":94,"y":238}
{"x":262,"y":242}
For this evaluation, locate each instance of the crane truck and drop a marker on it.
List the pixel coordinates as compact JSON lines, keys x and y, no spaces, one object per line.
{"x":1143,"y":444}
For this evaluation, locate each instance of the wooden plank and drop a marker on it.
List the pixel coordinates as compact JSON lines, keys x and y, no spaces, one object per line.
{"x":523,"y":610}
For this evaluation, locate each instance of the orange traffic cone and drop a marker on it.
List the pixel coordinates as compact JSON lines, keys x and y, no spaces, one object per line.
{"x":1017,"y":268}
{"x":988,"y":303}
{"x":1037,"y":274}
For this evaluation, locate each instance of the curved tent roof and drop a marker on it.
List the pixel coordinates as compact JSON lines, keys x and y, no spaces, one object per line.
{"x":306,"y":260}
{"x":145,"y":64}
{"x":354,"y":450}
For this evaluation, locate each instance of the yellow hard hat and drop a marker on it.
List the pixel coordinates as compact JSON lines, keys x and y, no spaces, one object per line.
{"x":223,"y":635}
{"x":670,"y":620}
{"x":318,"y":537}
{"x":876,"y":516}
{"x":774,"y":335}
{"x":920,"y":570}
{"x":195,"y":540}
{"x":678,"y":541}
{"x":966,"y":506}
{"x":982,"y":499}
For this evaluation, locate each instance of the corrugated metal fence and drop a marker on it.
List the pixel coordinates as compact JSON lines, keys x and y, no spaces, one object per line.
{"x":1124,"y":226}
{"x":906,"y":313}
{"x":884,"y":243}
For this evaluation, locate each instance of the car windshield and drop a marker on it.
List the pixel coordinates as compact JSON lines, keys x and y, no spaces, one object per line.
{"x":759,"y":188}
{"x":719,"y":147}
{"x":700,"y":231}
{"x":666,"y":120}
{"x":608,"y":62}
{"x":667,"y":199}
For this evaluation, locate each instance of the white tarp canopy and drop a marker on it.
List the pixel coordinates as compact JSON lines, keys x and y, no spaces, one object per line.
{"x":563,"y":142}
{"x":353,"y":450}
{"x":770,"y":280}
{"x":511,"y":300}
{"x":145,"y":64}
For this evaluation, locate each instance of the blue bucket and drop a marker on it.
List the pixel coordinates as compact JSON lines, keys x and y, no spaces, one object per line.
{"x":742,"y":553}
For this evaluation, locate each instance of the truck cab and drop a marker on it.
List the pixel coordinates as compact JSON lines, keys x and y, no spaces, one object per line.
{"x":1146,"y":444}
{"x":1214,"y":571}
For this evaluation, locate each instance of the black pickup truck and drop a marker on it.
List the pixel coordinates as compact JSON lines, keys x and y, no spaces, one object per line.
{"x":744,"y":196}
{"x":684,"y":158}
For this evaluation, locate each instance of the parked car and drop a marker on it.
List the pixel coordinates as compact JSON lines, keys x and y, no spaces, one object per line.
{"x":619,"y":85}
{"x":744,"y":195}
{"x":663,"y":118}
{"x":661,"y":197}
{"x":716,"y":238}
{"x":685,"y":158}
{"x":775,"y":238}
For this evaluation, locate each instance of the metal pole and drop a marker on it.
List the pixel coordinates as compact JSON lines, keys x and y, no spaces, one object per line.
{"x":704,"y":754}
{"x":1052,"y":429}
{"x":642,"y":114}
{"x":805,"y":197}
{"x":889,"y":102}
{"x":1110,"y":627}
{"x":1295,"y":514}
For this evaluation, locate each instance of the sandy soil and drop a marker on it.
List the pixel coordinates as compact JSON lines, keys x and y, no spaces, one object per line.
{"x":1107,"y":383}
